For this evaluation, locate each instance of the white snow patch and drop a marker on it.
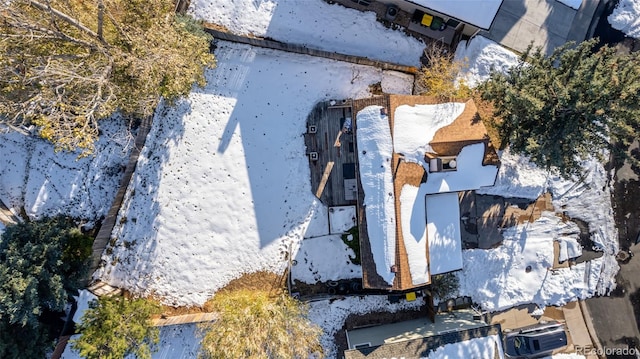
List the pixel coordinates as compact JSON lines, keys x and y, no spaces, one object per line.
{"x":222,"y":186}
{"x":497,"y":278}
{"x":324,"y":259}
{"x":484,"y":347}
{"x":83,"y":300}
{"x":478,"y":13}
{"x":587,"y":198}
{"x":331,"y":314}
{"x":517,"y":177}
{"x":415,"y":126}
{"x":481,"y":55}
{"x":626,"y":18}
{"x":375,"y":150}
{"x":569,"y":248}
{"x":313,"y":23}
{"x":48,"y":183}
{"x":342,"y":218}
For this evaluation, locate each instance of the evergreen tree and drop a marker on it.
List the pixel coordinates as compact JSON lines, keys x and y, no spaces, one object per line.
{"x":41,"y":265}
{"x":256,"y":324}
{"x":64,"y":64}
{"x":114,"y":327}
{"x":566,"y":107}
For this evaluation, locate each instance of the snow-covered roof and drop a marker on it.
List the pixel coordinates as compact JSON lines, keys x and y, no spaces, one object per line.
{"x":479,"y":13}
{"x":415,"y":126}
{"x":414,"y":232}
{"x":470,"y":173}
{"x":429,"y":223}
{"x":374,"y":159}
{"x":443,"y":231}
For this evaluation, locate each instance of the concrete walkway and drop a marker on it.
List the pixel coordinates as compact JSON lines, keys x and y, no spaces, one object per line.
{"x":545,"y":23}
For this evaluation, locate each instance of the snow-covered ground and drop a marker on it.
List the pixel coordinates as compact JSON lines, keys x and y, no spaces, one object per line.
{"x":479,"y":56}
{"x":519,"y":270}
{"x":48,"y":183}
{"x":496,"y":278}
{"x":176,"y":342}
{"x":322,"y":259}
{"x":626,"y":17}
{"x":316,"y":24}
{"x":341,"y":219}
{"x":222,"y":186}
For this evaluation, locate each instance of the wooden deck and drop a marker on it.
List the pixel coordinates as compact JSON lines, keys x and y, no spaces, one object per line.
{"x":333,"y":172}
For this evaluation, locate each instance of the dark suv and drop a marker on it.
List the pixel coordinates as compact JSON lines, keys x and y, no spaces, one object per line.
{"x":535,"y":341}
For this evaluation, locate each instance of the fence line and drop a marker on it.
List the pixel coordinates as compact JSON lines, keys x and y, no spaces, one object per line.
{"x":300,"y":49}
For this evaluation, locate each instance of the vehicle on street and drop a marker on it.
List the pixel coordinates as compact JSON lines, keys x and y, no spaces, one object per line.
{"x":535,"y":341}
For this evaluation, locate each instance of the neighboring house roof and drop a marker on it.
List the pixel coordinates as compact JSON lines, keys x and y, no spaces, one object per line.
{"x":479,"y":13}
{"x":420,"y":338}
{"x":412,"y":226}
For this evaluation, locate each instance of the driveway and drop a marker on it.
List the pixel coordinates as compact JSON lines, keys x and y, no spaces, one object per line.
{"x":545,"y":23}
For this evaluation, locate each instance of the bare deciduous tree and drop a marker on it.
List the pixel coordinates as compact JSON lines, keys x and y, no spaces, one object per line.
{"x":64,"y":64}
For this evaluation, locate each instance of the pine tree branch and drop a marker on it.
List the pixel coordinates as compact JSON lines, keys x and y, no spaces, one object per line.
{"x":77,"y":24}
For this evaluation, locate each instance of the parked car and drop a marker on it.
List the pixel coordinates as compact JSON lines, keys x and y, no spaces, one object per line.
{"x":535,"y":341}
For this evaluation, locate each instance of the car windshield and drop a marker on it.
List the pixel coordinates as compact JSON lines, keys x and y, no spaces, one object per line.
{"x":521,"y":345}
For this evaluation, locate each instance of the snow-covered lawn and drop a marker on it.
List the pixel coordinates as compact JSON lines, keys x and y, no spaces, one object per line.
{"x":176,"y":342}
{"x":313,"y":23}
{"x":626,"y":17}
{"x":322,"y":259}
{"x":222,"y":186}
{"x":48,"y":183}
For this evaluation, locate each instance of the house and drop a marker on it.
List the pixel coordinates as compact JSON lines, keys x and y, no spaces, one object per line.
{"x":446,"y":21}
{"x":467,"y":17}
{"x":460,"y":334}
{"x":413,"y":159}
